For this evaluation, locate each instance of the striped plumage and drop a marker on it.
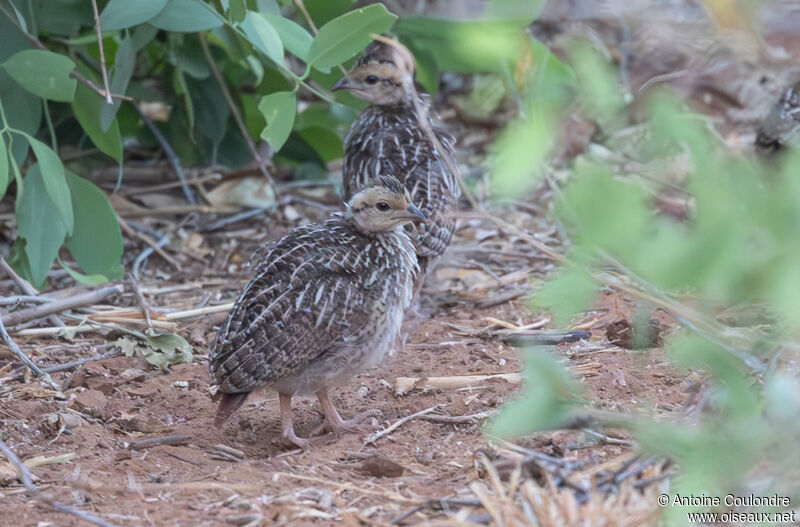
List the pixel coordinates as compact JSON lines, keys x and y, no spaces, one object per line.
{"x":326,"y":302}
{"x":387,"y":137}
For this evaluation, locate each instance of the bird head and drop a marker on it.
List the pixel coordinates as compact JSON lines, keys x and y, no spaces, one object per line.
{"x":384,"y":74}
{"x":383,"y":205}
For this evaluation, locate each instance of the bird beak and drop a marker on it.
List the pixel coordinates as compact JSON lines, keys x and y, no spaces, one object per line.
{"x":342,"y":84}
{"x":415,"y":213}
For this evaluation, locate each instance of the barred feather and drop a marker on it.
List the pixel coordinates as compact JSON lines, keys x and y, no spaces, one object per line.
{"x":387,"y":140}
{"x":326,"y":301}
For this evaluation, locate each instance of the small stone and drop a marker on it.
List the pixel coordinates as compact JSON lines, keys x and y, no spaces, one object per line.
{"x":101,"y":384}
{"x":382,"y":467}
{"x":139,"y":423}
{"x":141,"y":390}
{"x":423,"y":457}
{"x":132,"y":375}
{"x":624,"y":334}
{"x":89,"y":400}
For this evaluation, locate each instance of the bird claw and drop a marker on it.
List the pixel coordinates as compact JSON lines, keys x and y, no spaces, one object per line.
{"x":352,"y":425}
{"x":291,"y":440}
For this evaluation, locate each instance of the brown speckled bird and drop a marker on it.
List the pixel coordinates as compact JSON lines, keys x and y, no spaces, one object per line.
{"x":390,"y":137}
{"x":326,"y":302}
{"x":782,"y":121}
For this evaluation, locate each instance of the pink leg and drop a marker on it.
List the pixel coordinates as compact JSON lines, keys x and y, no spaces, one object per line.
{"x":287,"y":424}
{"x":334,"y":421}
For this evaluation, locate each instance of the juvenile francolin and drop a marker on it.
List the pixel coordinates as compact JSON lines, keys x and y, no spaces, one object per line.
{"x":326,"y":302}
{"x":395,"y":135}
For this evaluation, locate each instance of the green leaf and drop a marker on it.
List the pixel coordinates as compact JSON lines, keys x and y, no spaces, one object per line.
{"x":463,"y":46}
{"x":618,"y":229}
{"x":546,"y":400}
{"x":160,"y":350}
{"x":4,"y":164}
{"x":121,"y":73}
{"x":296,"y":39}
{"x":326,"y":142}
{"x":522,"y":12}
{"x":92,"y":279}
{"x":567,"y":295}
{"x":23,"y":112}
{"x":43,"y":73}
{"x":263,"y":36}
{"x":87,"y":108}
{"x":121,"y":14}
{"x":186,"y":16}
{"x":54,"y":180}
{"x":97,"y":241}
{"x":279,"y":110}
{"x":344,"y":36}
{"x":237,"y":11}
{"x":40,"y":224}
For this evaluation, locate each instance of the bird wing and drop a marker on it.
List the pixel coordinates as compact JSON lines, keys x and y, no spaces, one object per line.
{"x":307,"y":295}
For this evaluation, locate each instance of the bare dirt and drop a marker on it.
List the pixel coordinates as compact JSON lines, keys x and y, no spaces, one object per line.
{"x":109,"y":405}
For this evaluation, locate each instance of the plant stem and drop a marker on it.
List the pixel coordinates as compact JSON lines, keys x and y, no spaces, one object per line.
{"x":38,"y":44}
{"x":50,"y":129}
{"x":102,"y":53}
{"x":282,"y":67}
{"x":237,"y":116}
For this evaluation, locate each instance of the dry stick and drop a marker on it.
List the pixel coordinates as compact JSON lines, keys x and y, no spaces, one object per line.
{"x":25,"y":478}
{"x":21,"y":299}
{"x":87,"y":298}
{"x":237,"y":116}
{"x":26,"y":288}
{"x":102,"y":53}
{"x":172,"y":157}
{"x":377,"y":435}
{"x":142,"y":302}
{"x":24,"y":358}
{"x":37,"y":43}
{"x":188,"y":313}
{"x":62,"y":367}
{"x":155,"y":441}
{"x":130,"y":231}
{"x":457,"y":419}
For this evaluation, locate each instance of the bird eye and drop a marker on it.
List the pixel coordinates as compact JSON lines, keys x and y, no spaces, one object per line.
{"x":371,"y":79}
{"x":382,"y":206}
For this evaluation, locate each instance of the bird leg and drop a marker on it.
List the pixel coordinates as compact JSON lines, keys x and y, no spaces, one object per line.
{"x":287,"y":425}
{"x":334,"y":421}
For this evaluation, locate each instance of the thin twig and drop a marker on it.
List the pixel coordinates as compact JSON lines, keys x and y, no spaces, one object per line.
{"x":311,"y":25}
{"x":38,"y":43}
{"x":24,"y":358}
{"x":142,"y":302}
{"x":237,"y":116}
{"x":172,"y":157}
{"x":102,"y":53}
{"x":56,"y":306}
{"x":25,"y":478}
{"x":457,"y":419}
{"x":15,"y":376}
{"x":155,"y":441}
{"x":21,"y":299}
{"x":26,"y":288}
{"x":129,"y":230}
{"x":140,"y":260}
{"x":397,"y":424}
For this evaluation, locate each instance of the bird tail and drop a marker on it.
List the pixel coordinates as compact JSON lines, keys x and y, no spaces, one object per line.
{"x":229,"y":403}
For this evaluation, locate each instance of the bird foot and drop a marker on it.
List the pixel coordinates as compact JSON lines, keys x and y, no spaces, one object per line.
{"x":352,"y":425}
{"x":290,"y":439}
{"x":341,"y":426}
